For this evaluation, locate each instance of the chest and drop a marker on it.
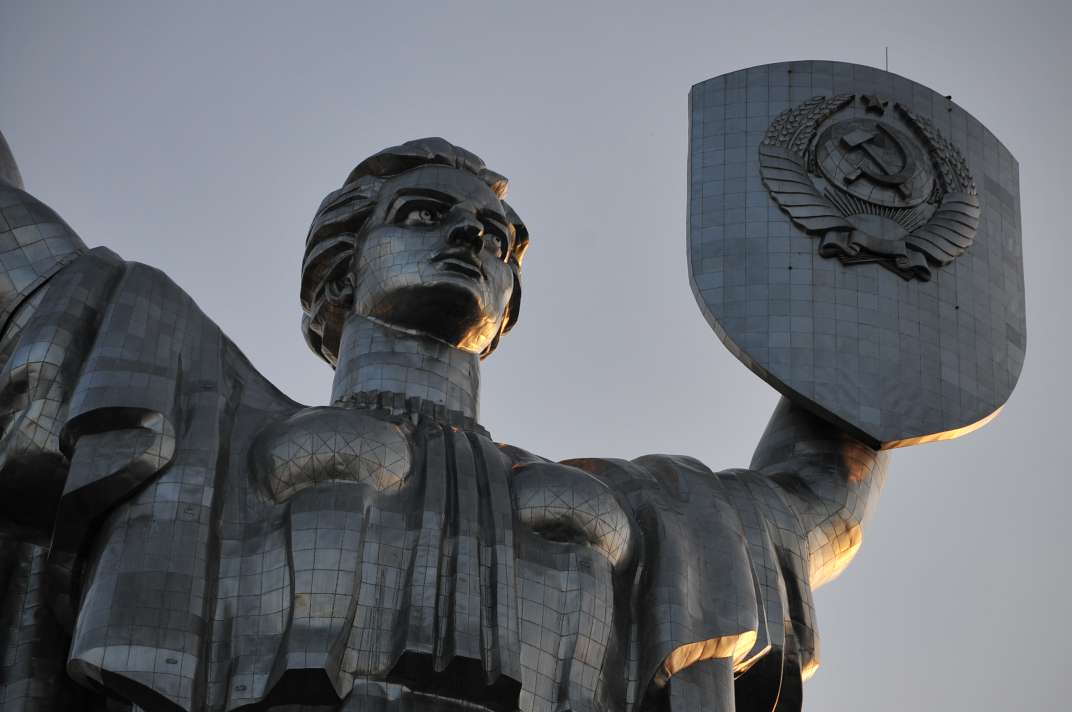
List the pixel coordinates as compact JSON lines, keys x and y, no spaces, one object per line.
{"x":322,"y":445}
{"x":442,"y":470}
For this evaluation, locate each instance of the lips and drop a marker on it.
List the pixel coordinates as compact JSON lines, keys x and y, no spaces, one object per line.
{"x":459,"y":262}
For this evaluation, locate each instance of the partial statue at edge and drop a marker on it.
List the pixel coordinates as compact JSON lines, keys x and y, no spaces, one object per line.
{"x":178,"y":535}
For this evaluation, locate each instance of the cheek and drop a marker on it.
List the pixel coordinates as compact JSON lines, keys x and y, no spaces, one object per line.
{"x":387,"y":254}
{"x":501,"y":282}
{"x":370,"y":255}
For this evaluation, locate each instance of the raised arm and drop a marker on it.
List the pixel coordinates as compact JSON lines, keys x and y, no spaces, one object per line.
{"x":734,"y":556}
{"x":37,"y":366}
{"x":34,"y":241}
{"x":830,"y":480}
{"x":35,"y":244}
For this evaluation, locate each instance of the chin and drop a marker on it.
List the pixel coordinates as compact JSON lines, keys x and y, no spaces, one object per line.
{"x":450,"y":309}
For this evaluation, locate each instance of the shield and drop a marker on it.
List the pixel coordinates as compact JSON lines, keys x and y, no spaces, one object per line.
{"x":854,"y":239}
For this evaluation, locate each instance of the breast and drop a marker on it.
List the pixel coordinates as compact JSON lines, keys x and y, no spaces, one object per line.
{"x":567,"y":505}
{"x":326,"y":444}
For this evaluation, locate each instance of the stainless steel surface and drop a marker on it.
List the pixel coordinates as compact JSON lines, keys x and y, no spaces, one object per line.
{"x":854,"y":238}
{"x":177,"y":534}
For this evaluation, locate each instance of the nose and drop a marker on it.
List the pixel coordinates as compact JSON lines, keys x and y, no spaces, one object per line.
{"x":467,"y":233}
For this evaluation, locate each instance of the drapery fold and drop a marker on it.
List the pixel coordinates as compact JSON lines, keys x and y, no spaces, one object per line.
{"x":190,"y":586}
{"x":413,"y":585}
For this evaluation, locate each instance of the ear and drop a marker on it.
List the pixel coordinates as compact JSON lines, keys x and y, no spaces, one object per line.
{"x":513,"y":309}
{"x":509,"y":316}
{"x":340,"y":292}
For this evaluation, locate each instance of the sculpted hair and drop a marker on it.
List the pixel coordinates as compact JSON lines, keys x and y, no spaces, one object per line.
{"x":334,"y":236}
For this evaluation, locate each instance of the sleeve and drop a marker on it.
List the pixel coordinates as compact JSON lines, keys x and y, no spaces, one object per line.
{"x":38,"y":363}
{"x":830,"y":481}
{"x":804,"y":502}
{"x":730,"y":560}
{"x":764,"y":674}
{"x":117,"y":395}
{"x":35,"y":245}
{"x":54,"y":294}
{"x":710,"y":595}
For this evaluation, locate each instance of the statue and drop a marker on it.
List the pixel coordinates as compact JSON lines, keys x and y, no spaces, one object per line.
{"x":178,"y":535}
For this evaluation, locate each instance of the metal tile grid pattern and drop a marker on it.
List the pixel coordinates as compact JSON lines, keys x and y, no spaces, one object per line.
{"x":34,"y":244}
{"x":323,"y":444}
{"x":32,"y":675}
{"x":374,"y":359}
{"x":218,"y":547}
{"x":892,"y":358}
{"x":38,"y":364}
{"x":423,"y":214}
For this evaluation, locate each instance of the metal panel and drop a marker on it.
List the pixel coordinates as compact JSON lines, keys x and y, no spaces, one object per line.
{"x":854,"y":239}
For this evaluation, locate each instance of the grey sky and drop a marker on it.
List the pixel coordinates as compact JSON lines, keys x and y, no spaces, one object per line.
{"x":201,"y":139}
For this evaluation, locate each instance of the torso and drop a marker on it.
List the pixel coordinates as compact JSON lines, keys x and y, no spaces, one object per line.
{"x":452,"y":542}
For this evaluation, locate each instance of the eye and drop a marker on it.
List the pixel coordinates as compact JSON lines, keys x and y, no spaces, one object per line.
{"x":421,"y":213}
{"x":498,"y":239}
{"x":502,"y":246}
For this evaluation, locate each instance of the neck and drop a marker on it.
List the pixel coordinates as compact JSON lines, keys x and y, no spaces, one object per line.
{"x":374,"y":358}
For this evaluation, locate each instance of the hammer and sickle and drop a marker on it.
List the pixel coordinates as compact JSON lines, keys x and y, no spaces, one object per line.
{"x":893,"y":176}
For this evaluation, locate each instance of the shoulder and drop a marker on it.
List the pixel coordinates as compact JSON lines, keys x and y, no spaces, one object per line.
{"x":679,"y":476}
{"x":35,"y":243}
{"x":670,"y":472}
{"x":103,"y":344}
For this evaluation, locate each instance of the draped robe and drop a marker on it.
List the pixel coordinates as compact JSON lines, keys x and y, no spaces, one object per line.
{"x":179,"y":535}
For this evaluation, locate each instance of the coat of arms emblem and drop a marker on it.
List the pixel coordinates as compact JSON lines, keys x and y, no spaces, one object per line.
{"x":874,"y":183}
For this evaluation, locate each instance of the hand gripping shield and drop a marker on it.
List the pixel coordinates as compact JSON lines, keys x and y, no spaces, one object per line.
{"x":854,"y":239}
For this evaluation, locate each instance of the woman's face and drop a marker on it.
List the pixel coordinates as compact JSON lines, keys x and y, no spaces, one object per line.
{"x":433,"y":257}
